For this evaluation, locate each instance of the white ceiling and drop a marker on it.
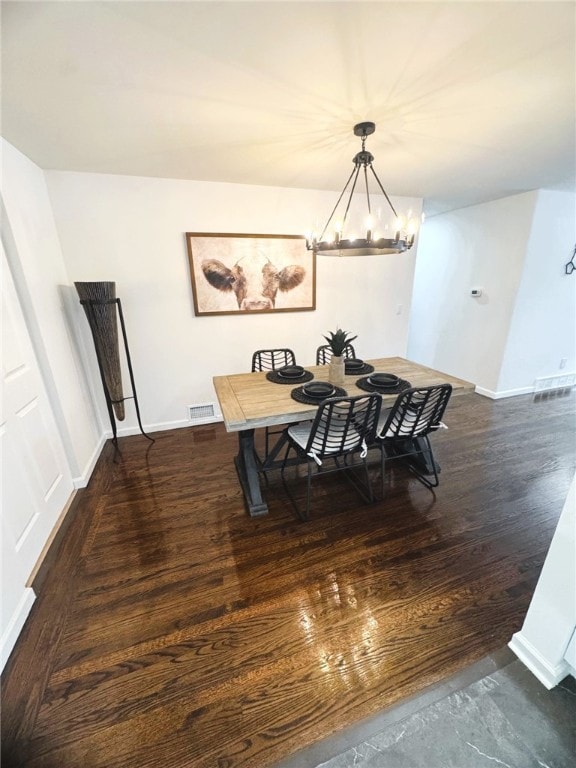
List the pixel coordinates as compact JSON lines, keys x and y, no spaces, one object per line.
{"x":473,"y":100}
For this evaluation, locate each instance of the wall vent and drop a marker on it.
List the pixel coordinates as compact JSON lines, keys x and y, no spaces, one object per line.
{"x":202,"y":414}
{"x":547,"y":383}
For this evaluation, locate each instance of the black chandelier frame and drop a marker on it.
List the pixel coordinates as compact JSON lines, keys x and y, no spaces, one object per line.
{"x":369,"y":245}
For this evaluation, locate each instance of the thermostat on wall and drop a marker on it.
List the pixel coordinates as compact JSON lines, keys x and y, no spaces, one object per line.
{"x":476,"y":292}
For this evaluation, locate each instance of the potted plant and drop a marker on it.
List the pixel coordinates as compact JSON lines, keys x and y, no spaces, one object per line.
{"x":337,"y":341}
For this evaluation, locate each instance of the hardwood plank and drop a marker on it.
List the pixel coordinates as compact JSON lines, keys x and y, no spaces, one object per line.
{"x":173,"y":629}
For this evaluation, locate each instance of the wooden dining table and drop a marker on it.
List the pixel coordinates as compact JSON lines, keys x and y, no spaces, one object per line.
{"x":250,"y":401}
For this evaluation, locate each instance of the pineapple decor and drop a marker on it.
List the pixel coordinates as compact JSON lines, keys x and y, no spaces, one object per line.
{"x":338,"y":341}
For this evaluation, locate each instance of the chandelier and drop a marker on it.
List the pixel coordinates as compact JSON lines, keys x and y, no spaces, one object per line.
{"x":396,"y":240}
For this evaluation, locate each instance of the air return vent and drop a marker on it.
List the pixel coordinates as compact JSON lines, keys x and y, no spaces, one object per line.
{"x":554,"y":382}
{"x":202,"y":414}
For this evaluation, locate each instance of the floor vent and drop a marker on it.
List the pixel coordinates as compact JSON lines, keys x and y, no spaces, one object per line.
{"x":202,"y":414}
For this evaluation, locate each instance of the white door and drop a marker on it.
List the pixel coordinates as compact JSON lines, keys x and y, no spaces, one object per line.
{"x":36,"y":479}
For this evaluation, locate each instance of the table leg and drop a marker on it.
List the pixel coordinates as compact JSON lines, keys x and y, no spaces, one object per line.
{"x":247,"y":470}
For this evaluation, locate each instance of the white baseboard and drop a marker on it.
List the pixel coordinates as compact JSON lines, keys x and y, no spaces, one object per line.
{"x":10,"y":634}
{"x":505,"y":393}
{"x":548,"y":674}
{"x":82,"y":481}
{"x":180,"y":424}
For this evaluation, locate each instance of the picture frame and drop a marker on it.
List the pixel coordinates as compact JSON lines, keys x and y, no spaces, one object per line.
{"x":239,"y":274}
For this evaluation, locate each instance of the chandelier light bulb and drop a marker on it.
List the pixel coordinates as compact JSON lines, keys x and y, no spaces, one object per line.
{"x":369,"y":227}
{"x":338,"y":225}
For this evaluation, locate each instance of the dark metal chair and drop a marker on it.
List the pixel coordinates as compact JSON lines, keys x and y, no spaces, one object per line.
{"x":324,"y":353}
{"x":270,"y":360}
{"x":342,"y":427}
{"x":403,"y":431}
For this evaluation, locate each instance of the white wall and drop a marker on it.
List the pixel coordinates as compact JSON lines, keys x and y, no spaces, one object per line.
{"x":544,"y":318}
{"x":481,"y":246}
{"x":132,"y":231}
{"x":543,"y":642}
{"x":33,"y":250}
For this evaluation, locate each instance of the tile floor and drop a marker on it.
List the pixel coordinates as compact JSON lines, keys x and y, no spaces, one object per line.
{"x":495,"y":713}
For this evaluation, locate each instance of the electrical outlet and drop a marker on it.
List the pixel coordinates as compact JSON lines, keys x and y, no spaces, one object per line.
{"x":563,"y":362}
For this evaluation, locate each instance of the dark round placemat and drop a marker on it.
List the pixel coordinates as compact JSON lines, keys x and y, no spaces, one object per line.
{"x":300,"y":397}
{"x":274,"y":377}
{"x":368,"y":387}
{"x":366,"y":368}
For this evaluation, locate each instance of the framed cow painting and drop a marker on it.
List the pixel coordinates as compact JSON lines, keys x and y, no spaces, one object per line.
{"x":239,"y":274}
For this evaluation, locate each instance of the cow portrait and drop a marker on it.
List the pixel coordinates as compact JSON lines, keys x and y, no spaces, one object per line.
{"x":254,"y":280}
{"x":245,"y":273}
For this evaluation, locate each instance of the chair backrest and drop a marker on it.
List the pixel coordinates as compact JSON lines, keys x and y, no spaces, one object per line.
{"x":270,"y":359}
{"x":343,"y":424}
{"x":324,"y":353}
{"x":417,"y":411}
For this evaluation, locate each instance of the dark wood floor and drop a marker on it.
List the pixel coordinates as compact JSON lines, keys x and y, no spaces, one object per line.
{"x":173,"y":630}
